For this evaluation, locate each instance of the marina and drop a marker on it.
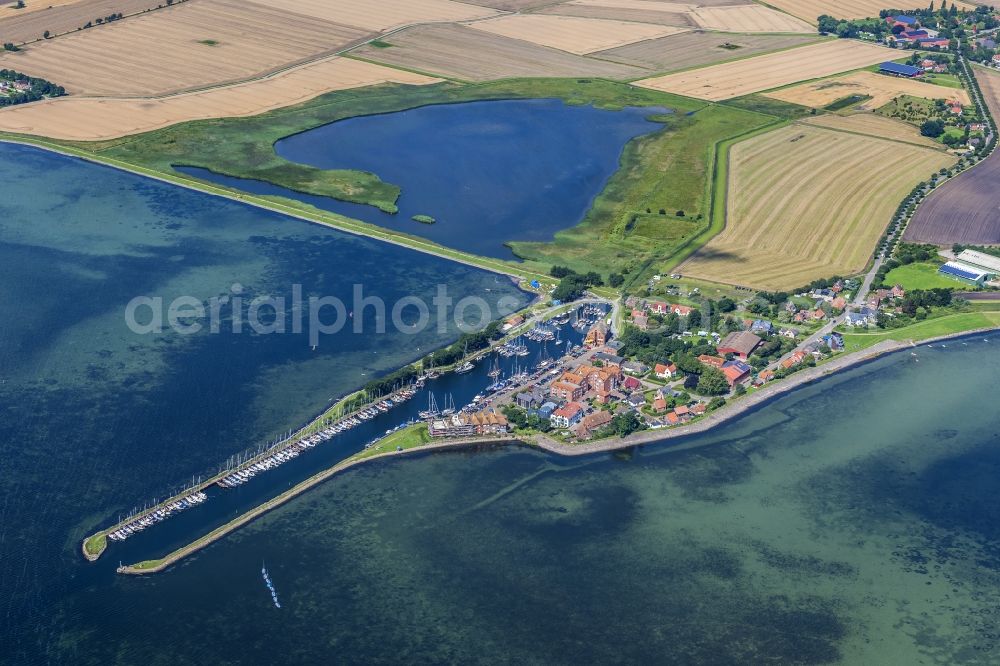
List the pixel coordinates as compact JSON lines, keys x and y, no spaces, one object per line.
{"x":243,"y":467}
{"x":493,"y":372}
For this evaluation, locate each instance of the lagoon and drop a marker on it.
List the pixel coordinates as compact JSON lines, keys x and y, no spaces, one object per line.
{"x":488,"y":172}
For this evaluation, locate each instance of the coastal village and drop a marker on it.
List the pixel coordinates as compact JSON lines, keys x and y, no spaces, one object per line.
{"x":610,"y":358}
{"x":671,"y":364}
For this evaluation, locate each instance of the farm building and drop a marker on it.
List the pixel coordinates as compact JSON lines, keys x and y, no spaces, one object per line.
{"x":896,"y":69}
{"x":741,"y":343}
{"x":963,"y":273}
{"x":933,"y":42}
{"x":987,"y":263}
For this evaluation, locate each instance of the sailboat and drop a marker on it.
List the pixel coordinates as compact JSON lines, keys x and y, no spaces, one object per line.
{"x":432,"y":408}
{"x":494,"y":372}
{"x":522,"y":349}
{"x":449,"y":405}
{"x":559,"y":339}
{"x":544,"y":360}
{"x":468,"y":365}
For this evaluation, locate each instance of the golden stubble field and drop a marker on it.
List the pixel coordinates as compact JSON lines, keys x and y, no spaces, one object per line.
{"x":722,"y":17}
{"x":59,"y":19}
{"x":571,"y":33}
{"x":473,"y":55}
{"x":197,"y":44}
{"x":89,"y":119}
{"x":382,"y":15}
{"x":809,"y":10}
{"x":874,"y":125}
{"x":806,"y":202}
{"x":698,"y":48}
{"x":748,"y":18}
{"x":9,"y":7}
{"x":751,"y":75}
{"x":881,"y":88}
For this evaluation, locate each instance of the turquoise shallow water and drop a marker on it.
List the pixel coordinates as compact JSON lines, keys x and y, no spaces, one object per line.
{"x":852,"y":522}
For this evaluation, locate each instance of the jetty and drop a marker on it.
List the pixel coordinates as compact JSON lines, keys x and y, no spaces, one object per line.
{"x":347,"y":413}
{"x":155,"y":566}
{"x":242,"y":468}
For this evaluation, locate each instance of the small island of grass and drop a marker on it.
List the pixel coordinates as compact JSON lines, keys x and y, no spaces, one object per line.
{"x":424,"y":219}
{"x":95,"y":545}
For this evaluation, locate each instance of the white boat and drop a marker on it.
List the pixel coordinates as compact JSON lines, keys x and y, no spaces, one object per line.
{"x":432,"y":408}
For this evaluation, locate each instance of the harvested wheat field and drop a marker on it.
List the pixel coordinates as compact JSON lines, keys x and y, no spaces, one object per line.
{"x":764,"y":72}
{"x":698,"y":48}
{"x":965,"y":210}
{"x":67,"y":17}
{"x":642,"y":5}
{"x":9,"y":8}
{"x":784,"y":230}
{"x":881,"y":88}
{"x":573,"y":34}
{"x":83,"y":119}
{"x":748,"y":18}
{"x":513,"y":5}
{"x":874,"y":125}
{"x":460,"y":52}
{"x":655,"y":5}
{"x":680,"y":18}
{"x":199,"y":44}
{"x":809,"y":10}
{"x":989,"y":84}
{"x":382,"y":15}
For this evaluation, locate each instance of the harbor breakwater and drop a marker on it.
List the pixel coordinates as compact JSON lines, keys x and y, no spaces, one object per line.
{"x":723,"y":415}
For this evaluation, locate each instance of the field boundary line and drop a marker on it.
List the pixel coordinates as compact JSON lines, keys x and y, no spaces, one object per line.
{"x":805,"y":122}
{"x":717,"y":188}
{"x":746,"y":56}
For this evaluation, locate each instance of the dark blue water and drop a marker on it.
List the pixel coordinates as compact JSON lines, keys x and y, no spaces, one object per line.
{"x":488,"y":172}
{"x":850,"y":522}
{"x":95,"y":417}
